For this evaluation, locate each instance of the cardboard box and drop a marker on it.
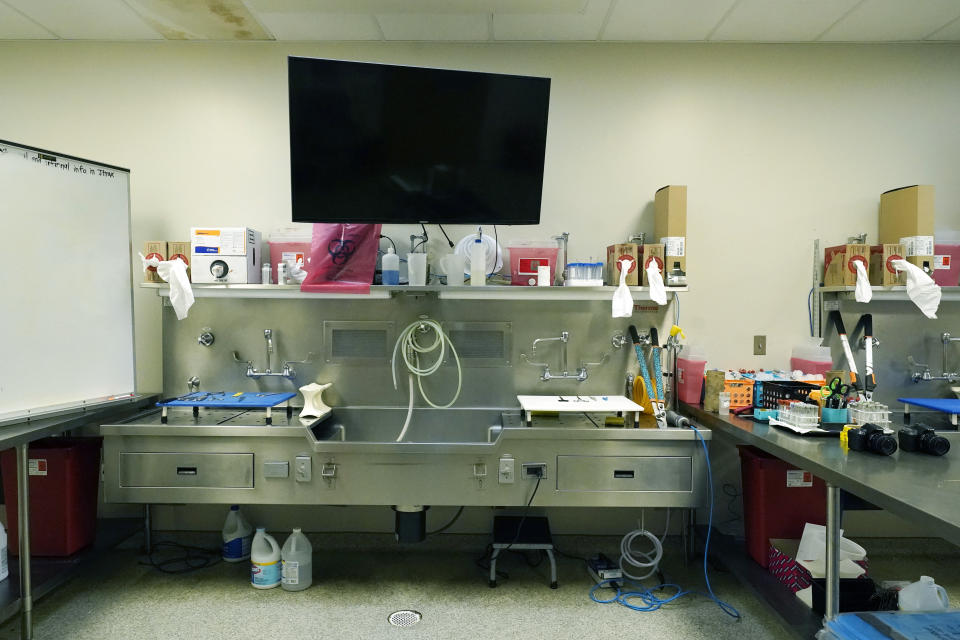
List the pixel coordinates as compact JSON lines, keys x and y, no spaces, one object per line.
{"x":905,"y":212}
{"x":618,"y":252}
{"x":180,"y":250}
{"x":229,"y":255}
{"x":651,"y":252}
{"x":798,"y":574}
{"x":675,"y":253}
{"x":154,"y":249}
{"x":882,"y":273}
{"x":838,"y":269}
{"x":924,"y":262}
{"x":670,"y":208}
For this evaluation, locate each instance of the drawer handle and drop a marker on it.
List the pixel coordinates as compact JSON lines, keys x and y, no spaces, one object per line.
{"x":186,"y":471}
{"x":621,"y":473}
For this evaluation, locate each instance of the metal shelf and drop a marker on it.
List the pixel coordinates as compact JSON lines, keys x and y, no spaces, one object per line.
{"x":949,"y":294}
{"x":380,"y":292}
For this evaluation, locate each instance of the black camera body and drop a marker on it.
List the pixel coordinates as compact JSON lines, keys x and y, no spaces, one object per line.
{"x":923,"y":439}
{"x":871,"y":438}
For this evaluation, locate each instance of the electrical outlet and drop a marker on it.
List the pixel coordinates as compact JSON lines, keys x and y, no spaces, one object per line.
{"x":759,"y":345}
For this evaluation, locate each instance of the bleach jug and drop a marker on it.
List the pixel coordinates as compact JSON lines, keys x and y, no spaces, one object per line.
{"x":237,"y":535}
{"x":297,"y":556}
{"x":925,"y":595}
{"x":4,"y":569}
{"x":264,"y":561}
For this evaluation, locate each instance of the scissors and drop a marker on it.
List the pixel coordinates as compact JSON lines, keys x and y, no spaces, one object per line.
{"x":835,"y":393}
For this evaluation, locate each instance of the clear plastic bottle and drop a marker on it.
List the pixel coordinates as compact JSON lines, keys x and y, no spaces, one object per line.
{"x":264,"y":561}
{"x":237,"y":536}
{"x":390,"y":266}
{"x":297,"y":556}
{"x":478,"y":263}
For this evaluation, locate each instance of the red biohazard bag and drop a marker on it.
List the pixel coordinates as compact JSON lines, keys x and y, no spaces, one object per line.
{"x":343,"y":258}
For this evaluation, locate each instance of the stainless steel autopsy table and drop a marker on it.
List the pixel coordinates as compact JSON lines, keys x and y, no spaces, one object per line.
{"x":923,"y":489}
{"x":19,"y":435}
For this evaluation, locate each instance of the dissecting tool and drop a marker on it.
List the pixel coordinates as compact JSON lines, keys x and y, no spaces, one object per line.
{"x":869,"y":382}
{"x":658,"y":409}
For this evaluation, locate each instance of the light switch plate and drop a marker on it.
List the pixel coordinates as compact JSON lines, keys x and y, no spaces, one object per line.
{"x":303,"y":469}
{"x":507,"y":470}
{"x":759,"y":345}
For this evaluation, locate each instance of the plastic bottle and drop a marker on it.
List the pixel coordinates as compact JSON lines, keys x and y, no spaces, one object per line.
{"x":924,"y":595}
{"x":391,"y":267}
{"x":297,"y":556}
{"x":237,"y":536}
{"x":690,"y":365}
{"x":264,"y":561}
{"x":266,"y":273}
{"x":4,"y":568}
{"x":478,"y":263}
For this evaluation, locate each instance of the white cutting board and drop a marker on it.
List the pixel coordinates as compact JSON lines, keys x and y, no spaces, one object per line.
{"x":571,"y":404}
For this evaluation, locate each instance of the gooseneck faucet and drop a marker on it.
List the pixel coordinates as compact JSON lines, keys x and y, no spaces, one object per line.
{"x":268,"y":336}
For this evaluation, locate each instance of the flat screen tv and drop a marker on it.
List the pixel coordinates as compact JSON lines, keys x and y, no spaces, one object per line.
{"x":397,"y":144}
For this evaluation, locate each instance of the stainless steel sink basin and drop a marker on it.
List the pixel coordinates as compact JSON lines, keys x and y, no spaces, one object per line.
{"x":383,"y":425}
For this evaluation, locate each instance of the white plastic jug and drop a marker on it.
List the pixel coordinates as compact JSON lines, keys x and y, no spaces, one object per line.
{"x":4,"y":569}
{"x":264,"y":561}
{"x":924,"y":595}
{"x":297,"y":558}
{"x":237,"y":536}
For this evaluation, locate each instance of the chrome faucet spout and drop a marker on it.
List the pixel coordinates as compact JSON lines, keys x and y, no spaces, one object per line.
{"x":268,"y":336}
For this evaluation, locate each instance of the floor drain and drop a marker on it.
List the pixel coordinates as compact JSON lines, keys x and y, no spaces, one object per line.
{"x":404,"y":618}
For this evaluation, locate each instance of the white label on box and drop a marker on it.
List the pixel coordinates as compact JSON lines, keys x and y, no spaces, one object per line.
{"x":674,"y":246}
{"x":917,"y":245}
{"x":230,"y":241}
{"x":37,"y":467}
{"x":293,"y":256}
{"x":831,"y":305}
{"x":941,"y":262}
{"x":798,"y":478}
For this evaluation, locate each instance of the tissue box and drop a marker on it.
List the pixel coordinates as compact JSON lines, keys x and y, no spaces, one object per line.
{"x":180,"y":250}
{"x":838,"y":270}
{"x":882,"y":273}
{"x":651,"y":252}
{"x":154,"y":249}
{"x":782,"y":563}
{"x":618,"y":252}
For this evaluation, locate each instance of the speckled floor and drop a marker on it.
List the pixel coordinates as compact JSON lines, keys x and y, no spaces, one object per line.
{"x":359,"y":580}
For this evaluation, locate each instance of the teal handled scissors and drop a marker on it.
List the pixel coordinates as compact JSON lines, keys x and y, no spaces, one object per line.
{"x":835,"y":394}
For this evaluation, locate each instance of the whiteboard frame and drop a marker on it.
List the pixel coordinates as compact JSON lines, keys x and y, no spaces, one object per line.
{"x":26,"y":415}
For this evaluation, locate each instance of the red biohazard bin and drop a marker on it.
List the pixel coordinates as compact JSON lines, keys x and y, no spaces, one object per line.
{"x":64,"y":478}
{"x":778,"y":499}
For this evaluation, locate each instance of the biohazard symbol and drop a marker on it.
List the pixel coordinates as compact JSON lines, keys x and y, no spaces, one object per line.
{"x":341,"y":250}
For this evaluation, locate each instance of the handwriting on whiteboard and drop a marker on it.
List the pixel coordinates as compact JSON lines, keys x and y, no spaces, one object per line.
{"x":65,"y":165}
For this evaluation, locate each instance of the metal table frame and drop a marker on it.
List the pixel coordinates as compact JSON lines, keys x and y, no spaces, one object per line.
{"x":19,"y":436}
{"x":920,"y":488}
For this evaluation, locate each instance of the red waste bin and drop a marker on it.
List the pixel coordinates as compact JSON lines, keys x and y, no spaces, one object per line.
{"x":778,"y":500}
{"x":64,"y":478}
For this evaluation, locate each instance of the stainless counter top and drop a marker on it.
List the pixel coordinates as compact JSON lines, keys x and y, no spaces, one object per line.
{"x":923,"y":489}
{"x":19,"y":433}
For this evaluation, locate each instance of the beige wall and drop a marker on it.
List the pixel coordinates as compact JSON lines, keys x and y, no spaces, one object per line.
{"x":779,"y":144}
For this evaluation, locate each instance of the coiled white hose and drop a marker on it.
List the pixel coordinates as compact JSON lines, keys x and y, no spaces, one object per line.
{"x":640,"y":559}
{"x":410,"y":351}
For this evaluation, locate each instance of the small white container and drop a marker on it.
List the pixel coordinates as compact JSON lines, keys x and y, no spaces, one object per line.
{"x":924,"y":595}
{"x":237,"y":536}
{"x":266,"y":274}
{"x":478,"y":263}
{"x":4,"y":567}
{"x":390,"y":266}
{"x":297,"y":557}
{"x":264,"y":561}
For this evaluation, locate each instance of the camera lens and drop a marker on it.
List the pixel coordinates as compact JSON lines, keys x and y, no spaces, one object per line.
{"x":881,"y":443}
{"x":933,"y":444}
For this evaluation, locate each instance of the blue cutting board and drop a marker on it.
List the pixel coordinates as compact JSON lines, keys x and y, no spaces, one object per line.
{"x":228,"y":400}
{"x":946,"y":405}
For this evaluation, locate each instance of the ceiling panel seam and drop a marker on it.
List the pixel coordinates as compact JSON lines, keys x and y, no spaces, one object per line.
{"x":29,"y":19}
{"x":606,"y":19}
{"x":723,"y":19}
{"x":839,"y":20}
{"x":941,"y":28}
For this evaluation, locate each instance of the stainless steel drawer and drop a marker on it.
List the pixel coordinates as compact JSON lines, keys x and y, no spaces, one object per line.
{"x":621,"y":473}
{"x":211,"y":470}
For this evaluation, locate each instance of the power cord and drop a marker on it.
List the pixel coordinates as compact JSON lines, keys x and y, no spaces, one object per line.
{"x":448,"y":525}
{"x":649,"y":600}
{"x":192,"y":558}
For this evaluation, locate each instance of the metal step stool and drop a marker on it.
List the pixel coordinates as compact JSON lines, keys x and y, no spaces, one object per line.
{"x":534,"y":534}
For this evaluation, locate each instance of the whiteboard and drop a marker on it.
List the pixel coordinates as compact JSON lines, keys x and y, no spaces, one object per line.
{"x":66,"y":297}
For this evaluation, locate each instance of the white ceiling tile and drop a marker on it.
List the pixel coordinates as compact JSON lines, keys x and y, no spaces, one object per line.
{"x":445,"y":26}
{"x":781,"y":20}
{"x":200,"y":19}
{"x":87,"y":19}
{"x":892,"y":20}
{"x":14,"y":26}
{"x":573,"y":25}
{"x":320,"y":26}
{"x":418,"y":6}
{"x":949,"y":32}
{"x":664,"y":19}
